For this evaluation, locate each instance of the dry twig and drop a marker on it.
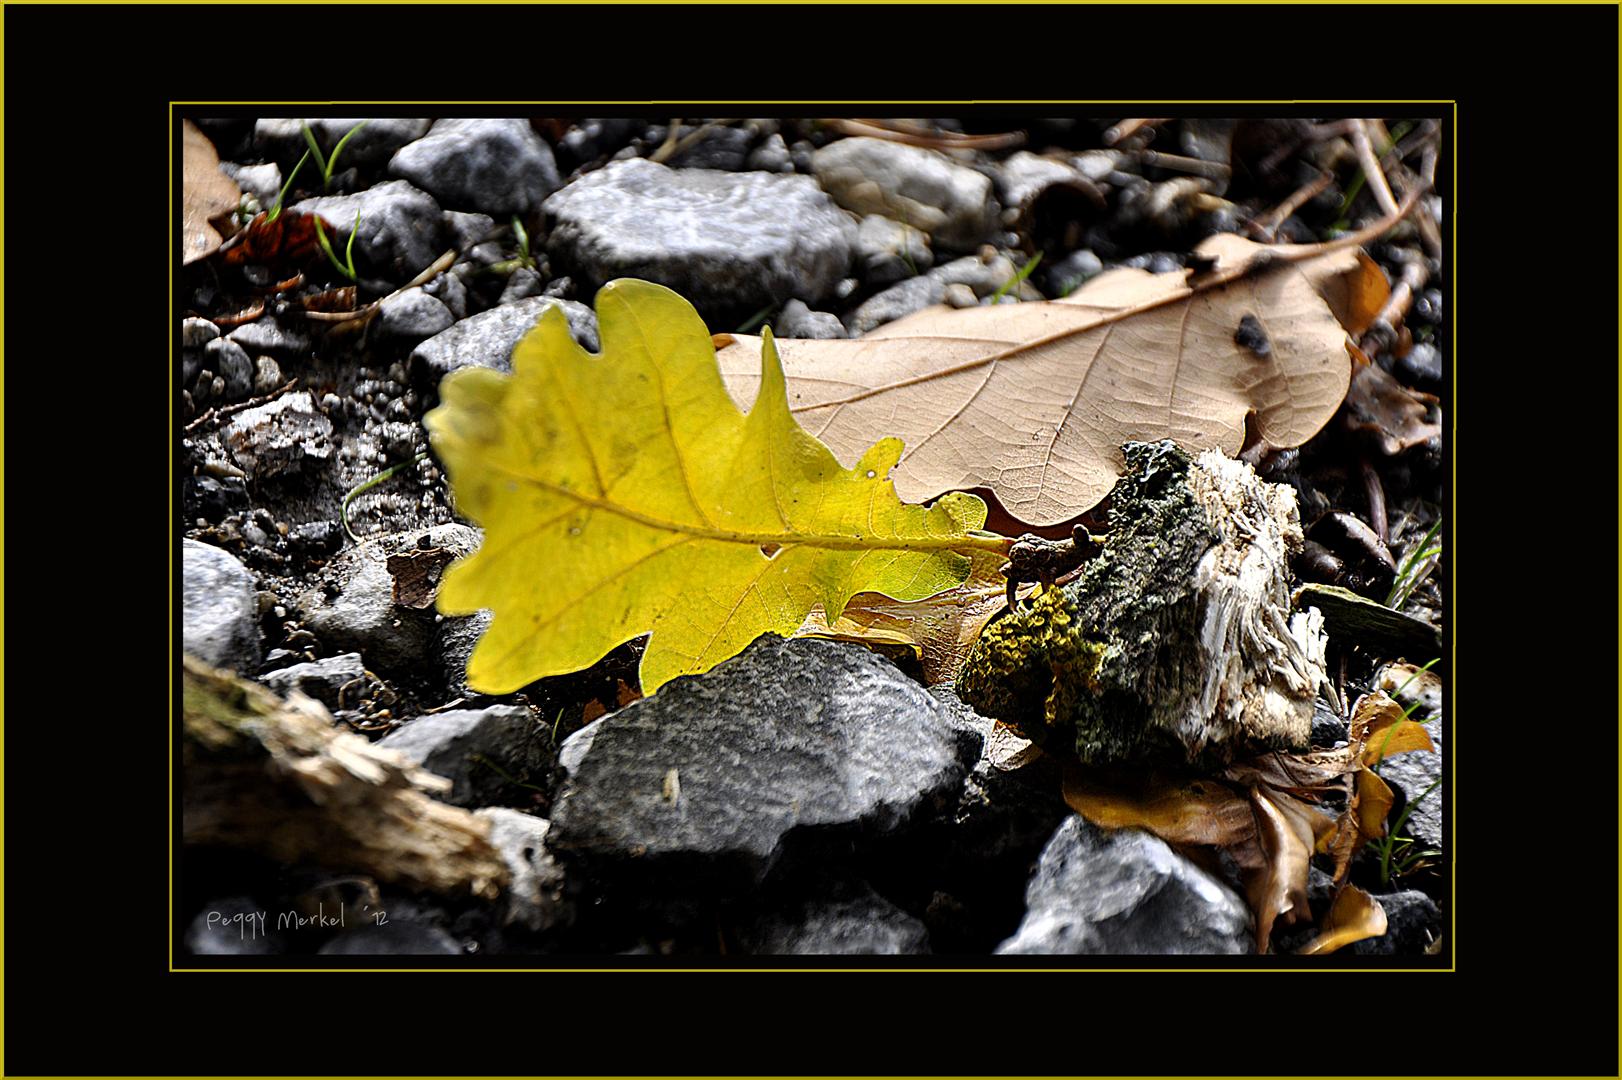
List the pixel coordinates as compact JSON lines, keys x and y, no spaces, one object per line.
{"x":915,"y":135}
{"x":1371,"y":167}
{"x":1127,"y":128}
{"x":222,"y":412}
{"x":1266,"y":226}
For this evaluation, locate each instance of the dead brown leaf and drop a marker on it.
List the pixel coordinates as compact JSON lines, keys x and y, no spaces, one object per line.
{"x":1033,"y":400}
{"x":1276,"y":864}
{"x":205,"y":193}
{"x":1392,"y":416}
{"x":1178,"y":810}
{"x":939,"y":631}
{"x":1354,"y":916}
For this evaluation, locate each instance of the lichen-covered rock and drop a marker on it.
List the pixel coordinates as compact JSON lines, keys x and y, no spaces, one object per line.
{"x":1175,"y":642}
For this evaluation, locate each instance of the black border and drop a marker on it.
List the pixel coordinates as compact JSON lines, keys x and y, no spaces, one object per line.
{"x":1535,"y":989}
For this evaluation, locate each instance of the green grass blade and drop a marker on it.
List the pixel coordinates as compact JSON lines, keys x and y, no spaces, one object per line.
{"x":276,"y":211}
{"x":332,"y":164}
{"x":1023,"y":273}
{"x":309,"y":137}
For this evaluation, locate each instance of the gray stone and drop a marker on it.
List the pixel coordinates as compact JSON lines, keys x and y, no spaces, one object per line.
{"x":451,"y":290}
{"x":798,"y":321}
{"x":521,"y":283}
{"x":280,"y":437}
{"x":1328,"y":729}
{"x":220,"y":611}
{"x":195,"y":333}
{"x":724,"y":148}
{"x":263,"y":182}
{"x":1073,"y":271}
{"x":267,"y":375}
{"x":771,"y":156}
{"x":393,"y":939}
{"x":922,"y":188}
{"x":492,"y":166}
{"x":1414,"y":772}
{"x":706,"y":781}
{"x":463,"y":744}
{"x":959,"y":296}
{"x":1422,"y":366}
{"x":351,"y":606}
{"x":534,"y":897}
{"x":726,"y":240}
{"x":888,"y":251}
{"x":234,"y":926}
{"x":323,"y":680}
{"x":1125,"y":892}
{"x":371,"y":145}
{"x":848,"y":920}
{"x":487,"y":339}
{"x":401,"y":228}
{"x":983,"y":276}
{"x":267,"y":335}
{"x":1413,"y":922}
{"x":413,"y":315}
{"x":453,"y":645}
{"x":1026,"y":175}
{"x":231,"y":362}
{"x":465,"y":229}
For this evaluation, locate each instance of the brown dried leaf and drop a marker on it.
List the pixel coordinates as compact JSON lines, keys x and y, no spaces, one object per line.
{"x":1354,"y":916}
{"x":1033,"y":400}
{"x":285,"y":241}
{"x":1392,"y":416}
{"x":939,"y":631}
{"x":1276,"y":865}
{"x":205,"y":193}
{"x":1178,"y":810}
{"x":417,"y":574}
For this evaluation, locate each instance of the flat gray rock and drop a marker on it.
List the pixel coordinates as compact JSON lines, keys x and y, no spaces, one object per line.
{"x":721,"y":239}
{"x":708,"y":778}
{"x":461,"y":745}
{"x":496,"y":167}
{"x":850,"y":920}
{"x":487,"y":339}
{"x":281,"y":437}
{"x":918,"y":187}
{"x":413,"y":316}
{"x":1125,"y":892}
{"x":271,"y":336}
{"x":323,"y":679}
{"x":220,"y":610}
{"x":402,"y":230}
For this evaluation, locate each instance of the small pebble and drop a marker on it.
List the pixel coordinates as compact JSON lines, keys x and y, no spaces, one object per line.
{"x":195,"y":333}
{"x":1422,"y":365}
{"x":267,"y":375}
{"x":961,"y":296}
{"x":330,"y":403}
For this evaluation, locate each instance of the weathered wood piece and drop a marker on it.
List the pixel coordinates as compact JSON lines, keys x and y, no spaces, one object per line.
{"x":278,"y":777}
{"x":1351,"y":619}
{"x":1177,"y":642}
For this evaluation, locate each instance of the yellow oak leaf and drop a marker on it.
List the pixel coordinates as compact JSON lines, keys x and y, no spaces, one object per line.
{"x":624,"y":492}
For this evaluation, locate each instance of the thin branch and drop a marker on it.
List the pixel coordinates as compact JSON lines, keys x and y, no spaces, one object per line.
{"x":1371,"y":167}
{"x":911,"y":135}
{"x":1127,"y":128}
{"x":222,"y":413}
{"x":1266,"y":226}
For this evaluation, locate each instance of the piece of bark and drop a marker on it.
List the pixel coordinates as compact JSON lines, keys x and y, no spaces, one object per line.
{"x":1178,"y":641}
{"x":1356,"y":620}
{"x":278,"y":777}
